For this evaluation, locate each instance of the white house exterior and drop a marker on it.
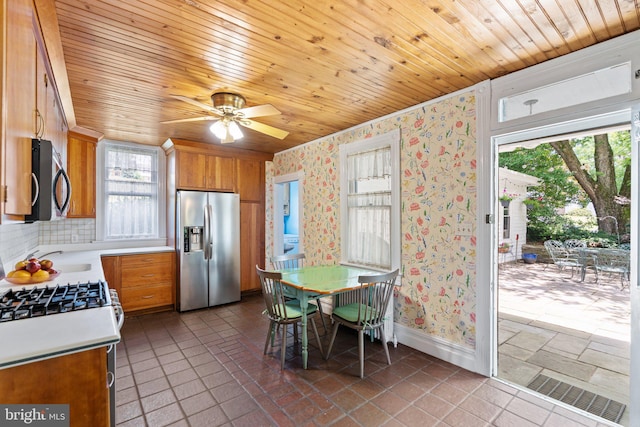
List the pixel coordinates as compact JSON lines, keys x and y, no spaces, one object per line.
{"x":512,"y":225}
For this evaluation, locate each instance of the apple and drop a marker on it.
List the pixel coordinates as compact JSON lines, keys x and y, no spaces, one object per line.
{"x":33,"y":266}
{"x":21,"y":265}
{"x":52,"y":271}
{"x":46,"y":264}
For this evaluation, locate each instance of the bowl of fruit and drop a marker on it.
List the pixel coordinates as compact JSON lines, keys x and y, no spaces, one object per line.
{"x":32,"y":270}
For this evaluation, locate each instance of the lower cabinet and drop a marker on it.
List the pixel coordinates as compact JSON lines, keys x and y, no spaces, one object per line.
{"x":144,"y":282}
{"x":78,"y":379}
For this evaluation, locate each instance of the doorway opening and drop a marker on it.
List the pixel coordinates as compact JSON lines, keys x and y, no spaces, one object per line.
{"x":563,"y":328}
{"x":287,"y":218}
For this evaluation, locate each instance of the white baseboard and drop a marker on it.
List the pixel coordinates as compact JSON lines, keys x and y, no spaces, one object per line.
{"x":437,"y":347}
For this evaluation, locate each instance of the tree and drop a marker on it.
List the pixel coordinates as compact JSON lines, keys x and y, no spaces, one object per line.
{"x":596,"y":168}
{"x":600,"y":184}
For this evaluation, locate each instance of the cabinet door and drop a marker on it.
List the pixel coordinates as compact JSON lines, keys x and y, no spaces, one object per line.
{"x":251,"y":181}
{"x":19,"y":114}
{"x":191,"y":170}
{"x":251,"y":244}
{"x":81,"y":168}
{"x":221,"y":173}
{"x":111,"y":269}
{"x":77,"y":379}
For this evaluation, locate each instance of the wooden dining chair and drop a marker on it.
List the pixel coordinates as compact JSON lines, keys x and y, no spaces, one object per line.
{"x":296,"y":261}
{"x":281,"y":311}
{"x":367,"y":313}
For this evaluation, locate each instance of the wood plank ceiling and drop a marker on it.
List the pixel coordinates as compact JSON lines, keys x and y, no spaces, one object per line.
{"x":326,"y":65}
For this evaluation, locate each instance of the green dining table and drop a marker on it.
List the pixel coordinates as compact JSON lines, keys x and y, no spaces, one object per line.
{"x":309,"y":283}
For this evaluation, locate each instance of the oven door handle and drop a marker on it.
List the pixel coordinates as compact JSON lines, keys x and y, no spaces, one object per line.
{"x":62,"y":208}
{"x":119,"y":314}
{"x":36,"y":184}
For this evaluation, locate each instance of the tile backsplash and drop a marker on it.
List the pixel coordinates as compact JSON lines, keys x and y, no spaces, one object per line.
{"x":19,"y":239}
{"x":81,"y":230}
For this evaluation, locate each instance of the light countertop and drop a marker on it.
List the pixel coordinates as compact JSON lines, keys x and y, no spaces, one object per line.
{"x":28,"y":340}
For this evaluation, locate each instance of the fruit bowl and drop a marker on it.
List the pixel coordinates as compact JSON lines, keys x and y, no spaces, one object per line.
{"x":31,"y":279}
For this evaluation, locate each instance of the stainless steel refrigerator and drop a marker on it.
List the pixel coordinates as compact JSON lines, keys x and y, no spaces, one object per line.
{"x":208,"y":246}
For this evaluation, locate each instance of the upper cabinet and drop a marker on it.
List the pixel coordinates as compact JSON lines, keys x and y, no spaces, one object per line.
{"x":18,"y":106}
{"x":30,"y":104}
{"x":201,"y":171}
{"x":81,"y":168}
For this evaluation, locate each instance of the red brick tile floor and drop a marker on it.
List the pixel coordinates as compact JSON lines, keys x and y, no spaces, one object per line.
{"x":207,"y":368}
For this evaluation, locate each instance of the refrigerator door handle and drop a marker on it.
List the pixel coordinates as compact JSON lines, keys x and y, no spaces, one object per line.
{"x":207,"y":232}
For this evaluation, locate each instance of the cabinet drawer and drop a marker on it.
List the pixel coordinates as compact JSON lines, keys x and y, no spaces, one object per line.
{"x":145,"y":260}
{"x":149,"y":275}
{"x":147,"y":297}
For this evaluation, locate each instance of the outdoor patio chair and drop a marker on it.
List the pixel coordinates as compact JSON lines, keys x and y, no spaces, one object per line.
{"x":574,"y":244}
{"x":562,"y":257}
{"x":612,"y":261}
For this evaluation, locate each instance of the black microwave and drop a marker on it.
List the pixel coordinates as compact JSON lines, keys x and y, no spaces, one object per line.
{"x":51,"y":187}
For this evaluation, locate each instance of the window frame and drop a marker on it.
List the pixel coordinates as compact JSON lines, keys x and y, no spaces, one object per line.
{"x":391,"y":140}
{"x":101,"y":205}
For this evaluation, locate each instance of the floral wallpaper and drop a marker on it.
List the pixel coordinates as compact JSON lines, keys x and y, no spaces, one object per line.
{"x":438,"y":196}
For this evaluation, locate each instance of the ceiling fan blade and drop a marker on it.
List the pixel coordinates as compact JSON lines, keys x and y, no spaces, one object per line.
{"x":193,"y":119}
{"x":197,"y":104}
{"x":266,"y":129}
{"x":258,"y":111}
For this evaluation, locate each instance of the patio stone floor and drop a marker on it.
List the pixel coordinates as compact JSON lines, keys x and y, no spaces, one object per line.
{"x":577,"y":332}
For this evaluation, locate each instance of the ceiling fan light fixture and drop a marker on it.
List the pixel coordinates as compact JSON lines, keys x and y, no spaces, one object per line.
{"x":219,"y":129}
{"x":226,"y":130}
{"x":235,"y":131}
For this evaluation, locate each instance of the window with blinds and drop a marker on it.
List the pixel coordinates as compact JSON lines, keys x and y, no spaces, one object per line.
{"x":130,"y":192}
{"x":369,"y":187}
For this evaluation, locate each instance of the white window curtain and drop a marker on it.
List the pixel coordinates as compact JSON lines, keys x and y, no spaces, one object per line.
{"x":131,"y":192}
{"x":369,"y":208}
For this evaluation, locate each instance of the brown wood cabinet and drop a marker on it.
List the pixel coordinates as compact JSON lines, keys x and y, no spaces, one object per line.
{"x":18,"y":106}
{"x":29,"y":105}
{"x":144,"y":282}
{"x":200,"y":166}
{"x":81,"y":168}
{"x":251,"y":244}
{"x":78,"y":379}
{"x":251,"y":181}
{"x":200,"y":171}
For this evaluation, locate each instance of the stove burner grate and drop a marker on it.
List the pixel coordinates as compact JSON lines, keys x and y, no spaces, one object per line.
{"x":36,"y":302}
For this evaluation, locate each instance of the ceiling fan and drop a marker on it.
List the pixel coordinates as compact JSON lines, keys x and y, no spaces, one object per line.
{"x":229,"y":112}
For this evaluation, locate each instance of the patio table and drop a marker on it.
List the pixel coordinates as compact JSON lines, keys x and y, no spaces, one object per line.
{"x":587,"y":254}
{"x":309,"y":283}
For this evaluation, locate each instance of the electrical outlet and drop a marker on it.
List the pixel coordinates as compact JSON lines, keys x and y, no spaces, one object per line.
{"x":464,"y":229}
{"x":74,"y":238}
